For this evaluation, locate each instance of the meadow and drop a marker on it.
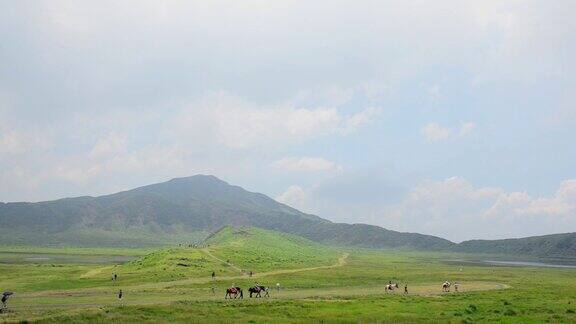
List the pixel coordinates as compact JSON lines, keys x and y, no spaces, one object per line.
{"x":309,"y":282}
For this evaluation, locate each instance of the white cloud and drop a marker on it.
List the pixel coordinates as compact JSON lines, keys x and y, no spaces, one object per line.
{"x":434,"y":93}
{"x":15,"y":142}
{"x":466,"y":128}
{"x":455,"y":209}
{"x":240,"y":124}
{"x":111,"y":145}
{"x":306,"y":164}
{"x":294,"y":197}
{"x":436,"y":132}
{"x":193,"y":138}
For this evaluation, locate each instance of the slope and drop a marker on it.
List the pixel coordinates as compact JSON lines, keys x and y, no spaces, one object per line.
{"x":181,"y":210}
{"x":551,"y":246}
{"x":255,"y":249}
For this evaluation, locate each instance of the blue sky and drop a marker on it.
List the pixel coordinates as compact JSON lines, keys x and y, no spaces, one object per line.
{"x":456,"y":119}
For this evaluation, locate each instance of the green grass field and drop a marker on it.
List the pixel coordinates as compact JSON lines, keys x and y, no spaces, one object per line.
{"x":317,"y":283}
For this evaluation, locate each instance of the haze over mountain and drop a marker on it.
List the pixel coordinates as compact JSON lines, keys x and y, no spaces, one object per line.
{"x":188,"y":209}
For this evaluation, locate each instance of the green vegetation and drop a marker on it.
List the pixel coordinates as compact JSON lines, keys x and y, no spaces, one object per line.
{"x":258,"y":250}
{"x":550,"y":246}
{"x":187,"y":210}
{"x":317,"y":284}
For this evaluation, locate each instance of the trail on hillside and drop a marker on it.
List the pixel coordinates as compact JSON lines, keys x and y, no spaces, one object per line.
{"x":342,"y":261}
{"x":208,"y":253}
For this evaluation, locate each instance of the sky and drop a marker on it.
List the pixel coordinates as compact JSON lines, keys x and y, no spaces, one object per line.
{"x":451,"y":118}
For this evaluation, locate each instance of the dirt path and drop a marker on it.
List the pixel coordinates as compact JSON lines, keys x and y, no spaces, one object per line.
{"x":95,"y":272}
{"x":208,"y":253}
{"x":311,"y":294}
{"x":342,"y":261}
{"x":160,"y":293}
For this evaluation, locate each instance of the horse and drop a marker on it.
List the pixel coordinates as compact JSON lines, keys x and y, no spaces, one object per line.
{"x":236,"y":291}
{"x":258,"y":291}
{"x":391,"y":287}
{"x":446,"y":286}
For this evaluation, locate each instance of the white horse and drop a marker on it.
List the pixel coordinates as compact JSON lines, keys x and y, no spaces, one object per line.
{"x":391,"y":287}
{"x":446,"y":286}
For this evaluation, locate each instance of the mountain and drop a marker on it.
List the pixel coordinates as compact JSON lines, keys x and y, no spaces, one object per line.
{"x":182,"y":210}
{"x":551,"y":246}
{"x":189,"y":209}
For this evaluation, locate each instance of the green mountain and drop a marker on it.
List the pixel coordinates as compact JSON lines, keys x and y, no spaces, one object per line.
{"x":551,"y":246}
{"x":182,"y":210}
{"x":188,"y":209}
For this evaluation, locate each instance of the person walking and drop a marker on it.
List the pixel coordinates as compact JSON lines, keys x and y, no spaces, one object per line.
{"x":405,"y":289}
{"x":120,"y":297}
{"x":5,"y":296}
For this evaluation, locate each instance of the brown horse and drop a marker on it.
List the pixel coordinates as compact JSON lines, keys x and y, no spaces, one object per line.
{"x":236,"y":291}
{"x":258,"y":291}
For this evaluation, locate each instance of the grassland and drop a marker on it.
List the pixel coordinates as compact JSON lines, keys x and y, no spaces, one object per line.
{"x":317,"y":284}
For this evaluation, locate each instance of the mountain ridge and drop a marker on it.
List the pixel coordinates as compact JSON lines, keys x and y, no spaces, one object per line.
{"x":190,"y":208}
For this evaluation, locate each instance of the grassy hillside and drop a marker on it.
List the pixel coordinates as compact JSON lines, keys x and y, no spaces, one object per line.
{"x":255,"y":249}
{"x":551,"y":246}
{"x":174,"y":264}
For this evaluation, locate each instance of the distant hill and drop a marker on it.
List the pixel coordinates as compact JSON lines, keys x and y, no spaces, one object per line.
{"x":182,"y":210}
{"x":189,"y":209}
{"x":552,"y":246}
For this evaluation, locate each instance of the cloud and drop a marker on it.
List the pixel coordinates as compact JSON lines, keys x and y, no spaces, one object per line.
{"x":452,"y":208}
{"x":112,"y":144}
{"x":240,"y":124}
{"x":201,"y":136}
{"x":466,"y":128}
{"x":456,"y":209}
{"x":436,"y":132}
{"x":294,"y":196}
{"x":17,"y":142}
{"x":306,"y":164}
{"x":347,"y":196}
